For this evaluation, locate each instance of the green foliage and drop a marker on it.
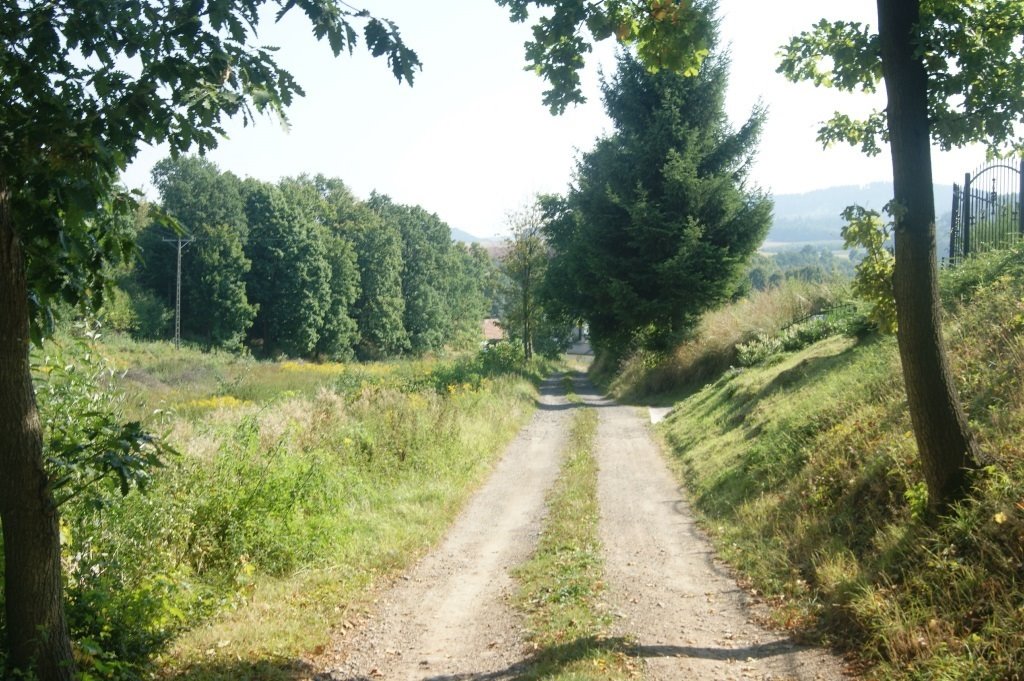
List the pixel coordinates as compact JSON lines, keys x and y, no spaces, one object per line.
{"x":426,"y":242}
{"x":329,"y":204}
{"x":526,"y":317}
{"x":208,"y":206}
{"x":960,"y":284}
{"x":805,"y":475}
{"x":88,"y":446}
{"x":380,"y":308}
{"x":767,"y":348}
{"x":660,"y":222}
{"x":285,"y":469}
{"x":290,"y":278}
{"x":502,"y":357}
{"x":972,"y":63}
{"x":666,"y":34}
{"x":864,"y":229}
{"x":471,"y":277}
{"x":81,"y":117}
{"x":95,"y":456}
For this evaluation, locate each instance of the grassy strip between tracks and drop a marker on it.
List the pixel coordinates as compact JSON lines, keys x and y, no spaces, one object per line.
{"x":560,"y":586}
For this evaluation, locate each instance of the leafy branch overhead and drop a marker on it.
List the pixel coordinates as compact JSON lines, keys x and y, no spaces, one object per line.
{"x":974,"y":60}
{"x":667,"y":34}
{"x":85,"y":84}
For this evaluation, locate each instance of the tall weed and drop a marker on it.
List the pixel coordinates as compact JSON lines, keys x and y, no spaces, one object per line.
{"x":316,"y":477}
{"x":712,"y":349}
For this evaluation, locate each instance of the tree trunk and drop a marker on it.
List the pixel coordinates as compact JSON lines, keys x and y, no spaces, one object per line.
{"x":37,"y":634}
{"x":944,"y":441}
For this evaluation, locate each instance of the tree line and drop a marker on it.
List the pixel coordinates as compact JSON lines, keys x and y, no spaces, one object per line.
{"x":300,"y":268}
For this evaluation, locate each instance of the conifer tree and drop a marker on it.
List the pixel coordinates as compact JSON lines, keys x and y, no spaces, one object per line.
{"x":660,"y":221}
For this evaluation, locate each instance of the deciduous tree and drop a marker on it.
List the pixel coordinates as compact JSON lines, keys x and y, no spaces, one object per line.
{"x":523,"y":266}
{"x":84,"y":85}
{"x":290,"y":280}
{"x":952,"y":73}
{"x":208,"y":207}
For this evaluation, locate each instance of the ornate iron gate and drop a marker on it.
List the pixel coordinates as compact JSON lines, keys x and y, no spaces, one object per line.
{"x":988,"y":210}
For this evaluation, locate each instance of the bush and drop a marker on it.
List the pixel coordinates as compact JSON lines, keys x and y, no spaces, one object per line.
{"x":763,"y":348}
{"x":503,"y":358}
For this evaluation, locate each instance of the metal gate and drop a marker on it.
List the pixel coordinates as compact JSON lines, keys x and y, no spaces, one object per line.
{"x":988,"y":210}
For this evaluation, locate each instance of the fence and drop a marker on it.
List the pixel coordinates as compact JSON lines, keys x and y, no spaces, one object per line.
{"x":988,"y":210}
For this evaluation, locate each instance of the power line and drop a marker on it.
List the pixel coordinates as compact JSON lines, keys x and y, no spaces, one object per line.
{"x":182,"y":243}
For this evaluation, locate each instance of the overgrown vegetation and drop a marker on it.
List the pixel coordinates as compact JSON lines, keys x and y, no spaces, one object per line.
{"x":713,"y":347}
{"x":561,"y":585}
{"x":805,"y":473}
{"x":295,"y":486}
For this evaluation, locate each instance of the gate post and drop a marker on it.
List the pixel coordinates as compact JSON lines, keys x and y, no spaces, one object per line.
{"x":967,"y":216}
{"x":954,"y":225}
{"x":1020,"y":200}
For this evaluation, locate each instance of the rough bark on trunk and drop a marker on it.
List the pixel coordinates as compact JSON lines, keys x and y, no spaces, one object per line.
{"x":37,"y":635}
{"x":945,"y":445}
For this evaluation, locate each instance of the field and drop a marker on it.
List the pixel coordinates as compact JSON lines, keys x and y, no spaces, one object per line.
{"x":281,"y":494}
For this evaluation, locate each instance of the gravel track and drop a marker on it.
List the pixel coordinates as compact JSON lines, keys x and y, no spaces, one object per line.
{"x":449,"y":617}
{"x":684,"y":611}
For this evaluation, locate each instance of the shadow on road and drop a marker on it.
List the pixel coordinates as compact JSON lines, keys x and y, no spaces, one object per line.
{"x":552,"y":661}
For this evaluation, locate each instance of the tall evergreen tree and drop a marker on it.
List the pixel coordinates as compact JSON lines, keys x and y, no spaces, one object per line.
{"x":660,"y":221}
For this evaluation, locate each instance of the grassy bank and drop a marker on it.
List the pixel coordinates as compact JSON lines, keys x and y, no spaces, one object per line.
{"x":295,"y":488}
{"x":561,"y":585}
{"x":661,"y":379}
{"x":804,"y":470}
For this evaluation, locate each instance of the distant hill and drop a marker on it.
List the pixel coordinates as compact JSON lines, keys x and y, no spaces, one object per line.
{"x":813,"y":217}
{"x":493,"y":245}
{"x":466,"y":237}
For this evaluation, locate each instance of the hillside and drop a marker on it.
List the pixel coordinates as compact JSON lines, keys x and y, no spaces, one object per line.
{"x":799,"y":457}
{"x":814,"y":216}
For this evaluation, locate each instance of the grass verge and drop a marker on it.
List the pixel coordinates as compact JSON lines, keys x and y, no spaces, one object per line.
{"x":295,"y":488}
{"x":560,"y":586}
{"x":804,"y":472}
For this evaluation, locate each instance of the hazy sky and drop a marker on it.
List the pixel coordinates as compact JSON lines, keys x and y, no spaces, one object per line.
{"x":471,"y":140}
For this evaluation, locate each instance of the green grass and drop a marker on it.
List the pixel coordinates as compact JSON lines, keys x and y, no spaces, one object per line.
{"x":296,"y":488}
{"x":805,"y":474}
{"x":560,"y":586}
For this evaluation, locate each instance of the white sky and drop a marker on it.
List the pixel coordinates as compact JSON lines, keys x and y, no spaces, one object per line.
{"x":471,"y":140}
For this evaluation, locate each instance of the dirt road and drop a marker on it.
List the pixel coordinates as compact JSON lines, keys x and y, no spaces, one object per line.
{"x":449,"y":617}
{"x":686,"y":614}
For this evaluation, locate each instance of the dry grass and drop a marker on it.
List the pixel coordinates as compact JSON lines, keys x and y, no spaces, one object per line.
{"x":712,"y":349}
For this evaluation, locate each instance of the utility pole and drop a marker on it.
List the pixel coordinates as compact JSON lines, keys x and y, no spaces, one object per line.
{"x":181,"y":243}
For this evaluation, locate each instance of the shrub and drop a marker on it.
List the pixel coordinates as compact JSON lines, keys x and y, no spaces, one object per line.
{"x":503,"y":358}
